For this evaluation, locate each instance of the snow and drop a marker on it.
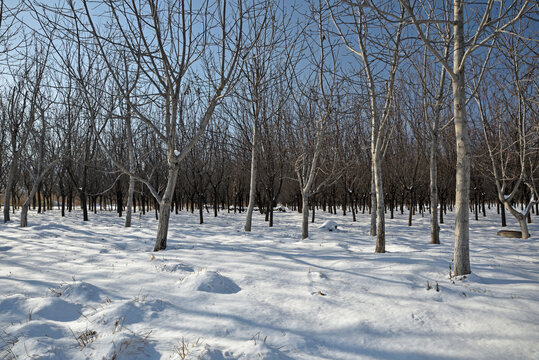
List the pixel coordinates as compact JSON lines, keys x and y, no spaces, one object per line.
{"x":177,"y":152}
{"x":91,"y":290}
{"x":329,"y":225}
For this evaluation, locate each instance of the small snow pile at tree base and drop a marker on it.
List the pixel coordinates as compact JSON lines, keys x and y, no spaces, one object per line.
{"x":210,"y":281}
{"x":329,"y":225}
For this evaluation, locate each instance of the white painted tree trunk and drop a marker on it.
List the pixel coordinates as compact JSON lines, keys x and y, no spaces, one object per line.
{"x":24,"y":209}
{"x":380,"y":216}
{"x":131,"y":154}
{"x":434,"y":227}
{"x":520,"y":216}
{"x":164,"y":208}
{"x":461,"y":256}
{"x":252,"y":187}
{"x":129,"y":206}
{"x":434,"y":138}
{"x":522,"y":221}
{"x":373,"y":202}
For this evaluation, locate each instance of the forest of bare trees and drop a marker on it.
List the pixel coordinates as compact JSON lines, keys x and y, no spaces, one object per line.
{"x":366,"y":107}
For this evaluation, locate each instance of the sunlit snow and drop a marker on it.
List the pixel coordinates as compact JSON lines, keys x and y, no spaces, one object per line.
{"x":91,"y":290}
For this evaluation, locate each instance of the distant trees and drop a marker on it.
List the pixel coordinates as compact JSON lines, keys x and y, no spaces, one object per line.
{"x":484,"y":26}
{"x":259,"y":70}
{"x":508,"y":111}
{"x":380,"y":60}
{"x":20,"y":110}
{"x":235,"y":105}
{"x":162,"y":45}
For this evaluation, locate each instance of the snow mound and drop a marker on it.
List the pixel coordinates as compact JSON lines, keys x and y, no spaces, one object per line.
{"x":124,"y":345}
{"x":39,"y":340}
{"x":329,"y":225}
{"x":40,"y":329}
{"x":54,"y":309}
{"x":129,"y":312}
{"x":264,"y":350}
{"x":317,"y":276}
{"x":210,"y":281}
{"x":81,"y":292}
{"x":13,"y":308}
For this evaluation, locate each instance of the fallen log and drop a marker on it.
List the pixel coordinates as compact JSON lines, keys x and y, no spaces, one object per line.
{"x":510,"y":234}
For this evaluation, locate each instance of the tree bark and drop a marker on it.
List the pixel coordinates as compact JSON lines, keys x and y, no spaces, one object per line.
{"x":200,"y":208}
{"x":304,"y":216}
{"x":373,"y":203}
{"x":461,"y":259}
{"x":252,"y":186}
{"x":9,"y":186}
{"x":380,"y":216}
{"x":131,"y":155}
{"x":164,"y":208}
{"x":522,"y":221}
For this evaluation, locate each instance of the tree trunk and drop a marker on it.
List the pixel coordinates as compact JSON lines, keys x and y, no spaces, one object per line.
{"x":164,"y":209}
{"x":442,"y":208}
{"x":24,"y":213}
{"x":129,"y":208}
{"x":412,"y":207}
{"x":523,"y":227}
{"x":305,"y":217}
{"x":353,"y":201}
{"x":200,"y":208}
{"x":39,"y":207}
{"x":434,"y":226}
{"x":131,"y":155}
{"x":252,"y":186}
{"x":380,"y":216}
{"x":373,"y":203}
{"x":271,"y":213}
{"x":215,"y":201}
{"x":461,"y":258}
{"x":9,"y":186}
{"x":63,"y":204}
{"x":35,"y":187}
{"x":83,"y":205}
{"x":119,"y":200}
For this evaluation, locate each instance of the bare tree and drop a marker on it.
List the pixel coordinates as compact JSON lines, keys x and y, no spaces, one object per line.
{"x":21,"y":110}
{"x":433,"y":103}
{"x":42,"y":167}
{"x":314,"y":109}
{"x":165,"y":41}
{"x":487,"y":25}
{"x":256,"y":70}
{"x":354,"y":21}
{"x":508,"y":129}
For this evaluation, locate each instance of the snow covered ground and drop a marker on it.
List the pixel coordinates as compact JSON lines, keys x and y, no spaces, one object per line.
{"x":95,"y":290}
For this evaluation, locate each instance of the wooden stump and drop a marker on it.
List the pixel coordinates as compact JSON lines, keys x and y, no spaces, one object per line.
{"x":510,"y":234}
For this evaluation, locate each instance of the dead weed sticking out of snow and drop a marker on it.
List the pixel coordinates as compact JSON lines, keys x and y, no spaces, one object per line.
{"x":186,"y":348}
{"x":84,"y":338}
{"x":129,"y":340}
{"x":6,"y":345}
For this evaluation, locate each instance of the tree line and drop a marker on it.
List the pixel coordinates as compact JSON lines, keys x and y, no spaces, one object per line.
{"x":361,"y":106}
